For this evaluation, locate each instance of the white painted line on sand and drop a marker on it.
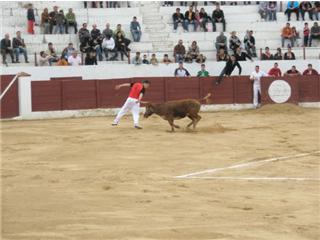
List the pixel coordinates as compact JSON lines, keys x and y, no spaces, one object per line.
{"x":260,"y":178}
{"x":248,"y":164}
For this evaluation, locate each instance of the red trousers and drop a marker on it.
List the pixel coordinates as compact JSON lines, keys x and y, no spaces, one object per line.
{"x":30,"y":26}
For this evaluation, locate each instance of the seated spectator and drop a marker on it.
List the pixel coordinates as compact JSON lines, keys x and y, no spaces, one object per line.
{"x":19,"y":47}
{"x":316,"y":10}
{"x":154,"y":60}
{"x":292,"y":72}
{"x":267,"y":54}
{"x":60,"y":23}
{"x":166,"y":59}
{"x":181,"y":71}
{"x":45,"y":59}
{"x":263,"y":9}
{"x":275,"y":71}
{"x":203,"y":72}
{"x":109,"y":46}
{"x":119,"y":29}
{"x":121,"y":45}
{"x":137,"y":59}
{"x":278,"y":55}
{"x":91,"y":58}
{"x":218,"y":17}
{"x":71,"y":21}
{"x":96,"y":41}
{"x":31,"y":19}
{"x":189,"y":18}
{"x":52,"y":19}
{"x":167,"y":3}
{"x":234,"y":41}
{"x":204,"y":18}
{"x":287,"y":34}
{"x":241,"y":56}
{"x":289,"y":55}
{"x":197,"y":19}
{"x":135,"y":30}
{"x":177,"y":18}
{"x":292,"y":6}
{"x":192,"y":53}
{"x":222,"y":55}
{"x":272,"y":11}
{"x":179,"y":51}
{"x":74,"y":59}
{"x":68,"y":51}
{"x":45,"y":25}
{"x":306,"y":33}
{"x":52,"y":53}
{"x":201,"y":58}
{"x":250,"y":44}
{"x":221,"y":42}
{"x":295,"y":35}
{"x":306,"y":6}
{"x":145,"y":59}
{"x":107,"y":31}
{"x":6,"y":48}
{"x":84,"y":34}
{"x":310,"y":71}
{"x":62,"y":62}
{"x":315,"y":33}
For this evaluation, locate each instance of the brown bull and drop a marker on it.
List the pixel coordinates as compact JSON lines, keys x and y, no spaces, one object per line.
{"x":174,"y":110}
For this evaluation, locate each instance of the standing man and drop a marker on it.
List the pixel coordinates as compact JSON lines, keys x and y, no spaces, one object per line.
{"x":228,"y":69}
{"x":133,"y":101}
{"x":255,"y":78}
{"x":31,"y":19}
{"x":181,"y":71}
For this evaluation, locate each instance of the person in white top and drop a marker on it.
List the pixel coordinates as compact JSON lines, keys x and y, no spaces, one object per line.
{"x":108,"y":45}
{"x":255,"y":78}
{"x":74,"y":59}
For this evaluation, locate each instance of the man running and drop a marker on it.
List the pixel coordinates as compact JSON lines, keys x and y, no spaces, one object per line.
{"x":133,"y":101}
{"x":228,"y":69}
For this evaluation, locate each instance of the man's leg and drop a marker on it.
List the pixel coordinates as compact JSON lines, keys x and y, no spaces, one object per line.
{"x":255,"y":95}
{"x":17,"y":52}
{"x":175,"y":25}
{"x":4,"y":56}
{"x":224,"y":24}
{"x":303,"y":14}
{"x":135,"y":114}
{"x":223,"y":72}
{"x":25,"y":54}
{"x":127,"y":106}
{"x":282,"y":41}
{"x":213,"y":25}
{"x":11,"y":55}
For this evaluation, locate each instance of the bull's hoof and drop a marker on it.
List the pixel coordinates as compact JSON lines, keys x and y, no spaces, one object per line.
{"x":176,"y":126}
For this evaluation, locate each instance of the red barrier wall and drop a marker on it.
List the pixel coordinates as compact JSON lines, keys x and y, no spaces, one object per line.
{"x":10,"y":102}
{"x":67,"y":93}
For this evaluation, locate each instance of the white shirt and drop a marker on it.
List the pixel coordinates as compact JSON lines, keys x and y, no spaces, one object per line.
{"x":74,"y":61}
{"x":108,"y":44}
{"x":256,"y":76}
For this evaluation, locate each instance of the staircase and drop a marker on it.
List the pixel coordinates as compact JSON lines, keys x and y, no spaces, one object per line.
{"x":156,"y":27}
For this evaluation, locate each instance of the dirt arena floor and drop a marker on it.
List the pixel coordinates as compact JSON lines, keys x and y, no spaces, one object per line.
{"x":84,"y":179}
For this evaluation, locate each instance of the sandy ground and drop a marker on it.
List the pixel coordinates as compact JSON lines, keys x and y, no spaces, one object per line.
{"x":83,"y":179}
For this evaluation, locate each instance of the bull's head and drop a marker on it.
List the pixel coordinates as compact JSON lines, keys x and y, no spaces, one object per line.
{"x":149,"y":110}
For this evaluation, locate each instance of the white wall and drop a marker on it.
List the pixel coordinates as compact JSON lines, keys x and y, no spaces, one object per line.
{"x":110,"y":71}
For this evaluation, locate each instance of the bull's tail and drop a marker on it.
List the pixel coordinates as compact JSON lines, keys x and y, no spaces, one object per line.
{"x":206,"y":98}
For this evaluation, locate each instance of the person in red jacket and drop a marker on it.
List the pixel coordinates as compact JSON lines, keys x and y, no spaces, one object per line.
{"x":133,"y":101}
{"x":310,"y":71}
{"x":275,"y":71}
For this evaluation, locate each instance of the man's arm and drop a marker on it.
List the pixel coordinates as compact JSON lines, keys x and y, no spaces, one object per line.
{"x":122,"y":85}
{"x":140,"y":97}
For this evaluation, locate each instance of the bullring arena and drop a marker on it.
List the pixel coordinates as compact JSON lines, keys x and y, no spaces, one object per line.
{"x":244,"y":173}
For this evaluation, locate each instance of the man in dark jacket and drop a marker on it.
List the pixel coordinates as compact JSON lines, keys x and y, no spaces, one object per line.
{"x":6,"y":48}
{"x":218,"y":17}
{"x":177,"y":18}
{"x":241,"y":56}
{"x":19,"y":47}
{"x":189,"y":18}
{"x":52,"y":18}
{"x":228,"y":69}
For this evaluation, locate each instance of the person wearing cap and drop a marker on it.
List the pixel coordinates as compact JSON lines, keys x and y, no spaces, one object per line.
{"x":310,"y":71}
{"x":203,"y":72}
{"x":255,"y":77}
{"x":181,"y":71}
{"x":137,"y":91}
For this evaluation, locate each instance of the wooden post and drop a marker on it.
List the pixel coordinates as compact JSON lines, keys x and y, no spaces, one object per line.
{"x":304,"y":53}
{"x":129,"y":57}
{"x":35,"y":59}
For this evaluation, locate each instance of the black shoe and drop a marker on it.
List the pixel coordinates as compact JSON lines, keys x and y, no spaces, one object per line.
{"x":114,"y":124}
{"x":27,"y":61}
{"x":137,"y":127}
{"x":17,"y":61}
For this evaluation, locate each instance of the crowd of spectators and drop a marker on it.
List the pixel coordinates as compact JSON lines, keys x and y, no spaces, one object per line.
{"x":301,"y":8}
